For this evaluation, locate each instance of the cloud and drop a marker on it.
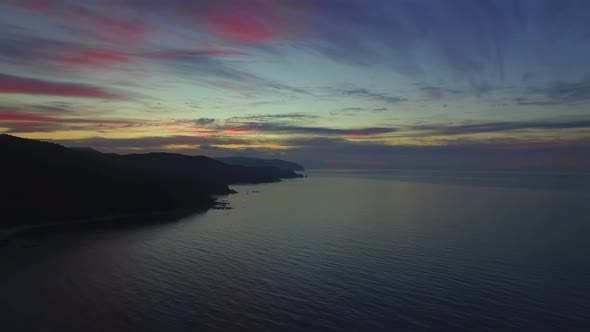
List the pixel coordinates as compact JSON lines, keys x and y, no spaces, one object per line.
{"x":204,"y":121}
{"x":47,"y":120}
{"x":20,"y":48}
{"x":35,"y":51}
{"x":355,"y":111}
{"x":527,"y":102}
{"x":22,"y":85}
{"x":560,"y":93}
{"x":34,"y":119}
{"x":241,"y":26}
{"x":213,"y":72}
{"x":437,"y":92}
{"x":342,"y":153}
{"x":20,"y":117}
{"x":491,"y":50}
{"x":179,"y":144}
{"x":273,"y":117}
{"x":491,"y":127}
{"x":291,"y":123}
{"x":93,"y":57}
{"x":131,"y":21}
{"x":118,"y":30}
{"x":174,"y":54}
{"x":372,"y":95}
{"x":322,"y":131}
{"x":455,"y":41}
{"x":201,"y":64}
{"x":464,"y":39}
{"x":52,"y":55}
{"x":320,"y":152}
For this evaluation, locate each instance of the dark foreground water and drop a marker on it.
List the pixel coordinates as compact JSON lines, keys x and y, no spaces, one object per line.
{"x":396,"y":251}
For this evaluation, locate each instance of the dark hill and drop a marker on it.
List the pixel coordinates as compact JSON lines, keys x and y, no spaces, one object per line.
{"x":207,"y":168}
{"x":46,"y":182}
{"x":85,"y":150}
{"x":243,"y":161}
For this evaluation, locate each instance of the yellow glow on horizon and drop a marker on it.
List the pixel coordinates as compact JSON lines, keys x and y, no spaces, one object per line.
{"x":181,"y":146}
{"x":277,"y":142}
{"x":131,"y":148}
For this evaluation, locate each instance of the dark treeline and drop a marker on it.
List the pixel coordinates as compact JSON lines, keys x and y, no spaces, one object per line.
{"x":46,"y":182}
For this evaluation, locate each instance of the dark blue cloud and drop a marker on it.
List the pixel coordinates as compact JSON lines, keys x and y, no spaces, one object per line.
{"x":274,"y":117}
{"x":493,"y":127}
{"x":364,"y":93}
{"x":270,"y":127}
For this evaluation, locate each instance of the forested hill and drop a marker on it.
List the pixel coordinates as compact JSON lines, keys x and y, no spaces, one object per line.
{"x":45,"y":182}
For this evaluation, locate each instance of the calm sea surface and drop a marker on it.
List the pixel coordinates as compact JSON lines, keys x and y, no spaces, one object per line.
{"x":337,"y":251}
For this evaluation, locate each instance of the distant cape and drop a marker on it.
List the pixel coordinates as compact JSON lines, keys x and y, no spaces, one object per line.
{"x":244,"y":161}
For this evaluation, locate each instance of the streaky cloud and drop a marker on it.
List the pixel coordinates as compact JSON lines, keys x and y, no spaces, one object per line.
{"x":492,"y":127}
{"x":284,"y":128}
{"x":10,"y":84}
{"x":361,"y":92}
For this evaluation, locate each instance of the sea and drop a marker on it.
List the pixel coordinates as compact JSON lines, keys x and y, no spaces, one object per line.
{"x":339,"y":250}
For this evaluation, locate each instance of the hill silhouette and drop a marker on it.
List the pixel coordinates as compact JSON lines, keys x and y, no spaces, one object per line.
{"x":278,"y":163}
{"x":46,"y":182}
{"x":207,"y":168}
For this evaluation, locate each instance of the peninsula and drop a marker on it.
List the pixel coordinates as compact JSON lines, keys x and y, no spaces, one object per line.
{"x":45,"y":182}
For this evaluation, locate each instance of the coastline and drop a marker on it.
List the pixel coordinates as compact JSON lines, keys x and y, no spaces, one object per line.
{"x":106,"y":221}
{"x":121,"y":220}
{"x":124,"y":220}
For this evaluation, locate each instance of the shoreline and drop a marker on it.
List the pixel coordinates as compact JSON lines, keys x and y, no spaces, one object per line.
{"x":122,"y":220}
{"x":132,"y":219}
{"x":106,"y":221}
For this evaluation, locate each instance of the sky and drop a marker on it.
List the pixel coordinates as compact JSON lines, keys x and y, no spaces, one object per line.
{"x":413,"y":84}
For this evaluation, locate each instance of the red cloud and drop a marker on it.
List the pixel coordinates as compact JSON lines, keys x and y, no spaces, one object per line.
{"x":179,"y":54}
{"x":243,"y":28}
{"x":254,"y":21}
{"x":18,"y":120}
{"x":16,"y":117}
{"x":22,"y":85}
{"x":117,"y":30}
{"x":91,"y":57}
{"x":247,"y":22}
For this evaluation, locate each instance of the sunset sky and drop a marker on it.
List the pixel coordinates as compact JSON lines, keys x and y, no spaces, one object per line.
{"x":328,"y":83}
